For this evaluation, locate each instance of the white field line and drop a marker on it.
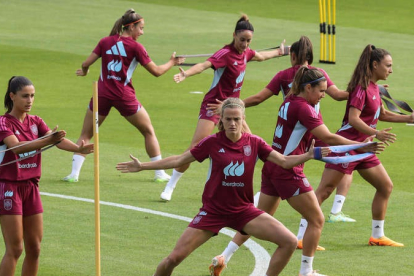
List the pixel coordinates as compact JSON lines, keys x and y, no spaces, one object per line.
{"x":261,"y":256}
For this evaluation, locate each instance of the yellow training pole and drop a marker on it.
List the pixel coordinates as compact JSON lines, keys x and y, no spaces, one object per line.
{"x":329,"y":31}
{"x":333,"y":28}
{"x":324,"y":29}
{"x":96,"y":166}
{"x":321,"y":28}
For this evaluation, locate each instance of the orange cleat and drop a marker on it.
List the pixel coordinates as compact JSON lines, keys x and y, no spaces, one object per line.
{"x":300,"y":246}
{"x":217,"y":265}
{"x":384,"y":241}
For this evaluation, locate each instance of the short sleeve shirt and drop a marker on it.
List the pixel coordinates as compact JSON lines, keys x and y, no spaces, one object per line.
{"x":229,"y":185}
{"x":120,"y":57}
{"x":369,"y":103}
{"x":229,"y":69}
{"x":296,"y":118}
{"x":282,"y":81}
{"x":32,"y":128}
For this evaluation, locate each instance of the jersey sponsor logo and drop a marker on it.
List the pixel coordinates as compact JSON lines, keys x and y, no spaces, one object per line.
{"x":113,"y":77}
{"x":232,"y":184}
{"x":374,"y":97}
{"x":234,"y":169}
{"x":240,"y":78}
{"x":222,"y":150}
{"x":8,"y":204}
{"x":34,"y":130}
{"x":247,"y":150}
{"x":279,"y":131}
{"x":277,"y":145}
{"x":27,"y":166}
{"x":17,"y":132}
{"x":116,"y":65}
{"x":8,"y":194}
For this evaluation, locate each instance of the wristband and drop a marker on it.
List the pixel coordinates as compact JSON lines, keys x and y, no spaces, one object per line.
{"x":317,"y":153}
{"x":286,"y":50}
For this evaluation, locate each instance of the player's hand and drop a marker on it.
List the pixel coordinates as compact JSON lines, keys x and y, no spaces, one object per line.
{"x":177,"y":60}
{"x":215,"y":107}
{"x":85,"y":148}
{"x":386,"y":136}
{"x":81,"y":73}
{"x":180,"y":76}
{"x":318,"y":152}
{"x":131,"y":166}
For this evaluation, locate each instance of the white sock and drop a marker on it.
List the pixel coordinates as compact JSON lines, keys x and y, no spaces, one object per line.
{"x":302,"y":228}
{"x":77,"y":162}
{"x":229,"y":251}
{"x":306,"y":265}
{"x":174,"y":179}
{"x":155,"y":158}
{"x":337,"y":204}
{"x":377,"y":228}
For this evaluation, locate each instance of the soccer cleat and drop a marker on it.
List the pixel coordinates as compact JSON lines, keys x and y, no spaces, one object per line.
{"x":167,"y":193}
{"x":313,"y":273}
{"x":70,"y":178}
{"x":161,"y":177}
{"x":339,"y":217}
{"x":217,"y":265}
{"x":384,"y":241}
{"x":318,"y":248}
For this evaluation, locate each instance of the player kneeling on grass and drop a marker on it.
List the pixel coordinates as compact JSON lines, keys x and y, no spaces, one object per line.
{"x":229,"y":189}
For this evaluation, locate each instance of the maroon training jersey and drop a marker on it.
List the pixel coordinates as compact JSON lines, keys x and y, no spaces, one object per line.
{"x":282,"y":81}
{"x":295,"y":120}
{"x":120,"y":56}
{"x":369,"y":102}
{"x":229,"y":185}
{"x":31,"y":128}
{"x":229,"y":70}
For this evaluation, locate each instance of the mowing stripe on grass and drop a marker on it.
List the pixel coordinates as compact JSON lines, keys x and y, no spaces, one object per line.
{"x":261,"y":256}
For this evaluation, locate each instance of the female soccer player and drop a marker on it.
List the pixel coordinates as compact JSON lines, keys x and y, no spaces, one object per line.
{"x":21,"y":208}
{"x":297,"y":122}
{"x":121,"y":54}
{"x":228,"y":192}
{"x":229,"y":64}
{"x":363,"y":111}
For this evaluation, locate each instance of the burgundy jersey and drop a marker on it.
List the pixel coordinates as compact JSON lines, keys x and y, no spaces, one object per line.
{"x":369,"y":102}
{"x":32,"y":128}
{"x":229,"y":185}
{"x":295,"y":120}
{"x":229,"y":70}
{"x":282,"y":81}
{"x":120,"y":56}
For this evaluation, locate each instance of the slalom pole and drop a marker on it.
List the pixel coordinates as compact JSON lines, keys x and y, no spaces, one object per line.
{"x":96,"y":170}
{"x":321,"y":29}
{"x":329,"y":32}
{"x":333,"y":29}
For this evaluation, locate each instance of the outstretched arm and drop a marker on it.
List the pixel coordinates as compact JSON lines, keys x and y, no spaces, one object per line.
{"x":258,"y":98}
{"x":194,"y":70}
{"x":158,"y":70}
{"x":167,"y":163}
{"x":336,"y":94}
{"x":265,"y":55}
{"x":288,"y":162}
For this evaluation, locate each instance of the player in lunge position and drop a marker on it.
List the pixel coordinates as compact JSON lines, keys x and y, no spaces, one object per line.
{"x":121,"y":54}
{"x":228,"y":193}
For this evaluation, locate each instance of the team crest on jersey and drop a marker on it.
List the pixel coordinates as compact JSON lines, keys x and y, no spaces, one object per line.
{"x":8,"y":204}
{"x":345,"y":165}
{"x":197,"y":219}
{"x":247,"y":150}
{"x":34,"y":130}
{"x":209,"y":113}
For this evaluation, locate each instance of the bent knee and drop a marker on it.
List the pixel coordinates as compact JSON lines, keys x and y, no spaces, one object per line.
{"x":174,"y":260}
{"x":14,"y":252}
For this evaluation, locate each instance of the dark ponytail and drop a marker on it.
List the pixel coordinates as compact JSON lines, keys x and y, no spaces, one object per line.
{"x":123,"y":23}
{"x":303,"y":50}
{"x":305,"y":76}
{"x":363,"y":71}
{"x":15,"y":84}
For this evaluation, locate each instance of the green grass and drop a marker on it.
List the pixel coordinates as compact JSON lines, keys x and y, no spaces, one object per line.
{"x":47,"y":41}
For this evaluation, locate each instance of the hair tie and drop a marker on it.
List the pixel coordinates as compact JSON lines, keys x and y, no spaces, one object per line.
{"x":373,"y":47}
